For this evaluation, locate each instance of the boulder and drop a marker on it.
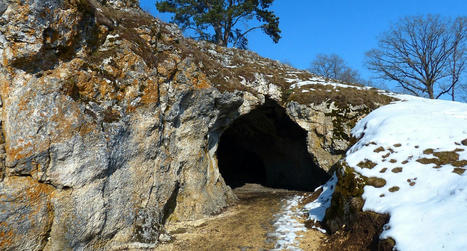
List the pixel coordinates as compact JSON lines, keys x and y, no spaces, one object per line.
{"x":110,"y":121}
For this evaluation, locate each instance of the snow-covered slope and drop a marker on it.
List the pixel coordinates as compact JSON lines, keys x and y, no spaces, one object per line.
{"x":419,"y":148}
{"x":414,"y":155}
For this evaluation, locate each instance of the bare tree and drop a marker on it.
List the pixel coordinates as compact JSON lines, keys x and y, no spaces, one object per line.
{"x":463,"y":89}
{"x":333,"y":66}
{"x":458,"y":56}
{"x":418,"y":52}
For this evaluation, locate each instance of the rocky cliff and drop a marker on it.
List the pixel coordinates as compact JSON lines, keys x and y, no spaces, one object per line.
{"x":111,"y":120}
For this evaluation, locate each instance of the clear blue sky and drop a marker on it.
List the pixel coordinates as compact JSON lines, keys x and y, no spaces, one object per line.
{"x":348,"y":28}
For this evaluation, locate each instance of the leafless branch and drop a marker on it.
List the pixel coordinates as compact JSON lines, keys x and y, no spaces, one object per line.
{"x":418,"y":53}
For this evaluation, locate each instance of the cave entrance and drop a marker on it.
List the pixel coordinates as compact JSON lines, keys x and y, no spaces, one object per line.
{"x":266,"y":147}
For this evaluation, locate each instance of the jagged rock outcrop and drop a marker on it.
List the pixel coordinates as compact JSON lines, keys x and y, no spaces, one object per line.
{"x":110,"y":122}
{"x":352,"y":228}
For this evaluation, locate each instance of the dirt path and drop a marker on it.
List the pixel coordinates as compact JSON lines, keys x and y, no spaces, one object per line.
{"x":252,"y":224}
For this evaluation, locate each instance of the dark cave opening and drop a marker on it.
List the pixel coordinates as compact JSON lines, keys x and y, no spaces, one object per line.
{"x":266,"y":147}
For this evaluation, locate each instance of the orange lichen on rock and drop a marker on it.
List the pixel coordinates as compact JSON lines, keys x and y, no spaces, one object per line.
{"x":62,"y":119}
{"x":150,"y":93}
{"x":167,"y":67}
{"x":32,"y":200}
{"x":106,"y":89}
{"x":19,"y":152}
{"x":200,"y":81}
{"x":6,"y":236}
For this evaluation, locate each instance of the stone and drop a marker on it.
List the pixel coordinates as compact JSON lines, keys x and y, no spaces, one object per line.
{"x":121,"y":3}
{"x":26,"y":213}
{"x":3,"y":7}
{"x":350,"y":226}
{"x":111,"y":119}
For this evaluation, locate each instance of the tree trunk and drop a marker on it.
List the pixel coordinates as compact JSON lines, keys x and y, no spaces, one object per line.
{"x":429,"y":88}
{"x":218,"y":35}
{"x":452,"y":93}
{"x":226,"y":36}
{"x":453,"y":71}
{"x":228,"y":24}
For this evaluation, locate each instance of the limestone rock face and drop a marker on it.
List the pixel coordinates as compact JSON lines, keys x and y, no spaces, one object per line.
{"x":121,"y":3}
{"x":110,"y":122}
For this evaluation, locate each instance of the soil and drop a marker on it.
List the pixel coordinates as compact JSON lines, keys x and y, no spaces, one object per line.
{"x":248,"y":225}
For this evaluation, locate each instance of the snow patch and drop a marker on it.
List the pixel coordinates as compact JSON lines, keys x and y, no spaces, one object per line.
{"x":111,"y":36}
{"x":287,"y":225}
{"x":322,"y":81}
{"x":427,"y":202}
{"x":317,"y":208}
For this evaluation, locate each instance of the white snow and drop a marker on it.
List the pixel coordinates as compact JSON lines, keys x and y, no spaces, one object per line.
{"x":107,"y":61}
{"x":317,"y":208}
{"x":429,"y":211}
{"x":113,"y":36}
{"x":287,"y":225}
{"x":321,"y":81}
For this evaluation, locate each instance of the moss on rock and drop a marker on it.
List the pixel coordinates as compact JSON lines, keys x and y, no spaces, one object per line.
{"x":351,"y":228}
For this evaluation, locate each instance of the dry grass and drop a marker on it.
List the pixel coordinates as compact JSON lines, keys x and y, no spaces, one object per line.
{"x":244,"y":226}
{"x":379,"y":149}
{"x":458,"y":170}
{"x":393,"y":189}
{"x":366,"y":164}
{"x":443,"y":158}
{"x":249,"y":65}
{"x":376,"y":182}
{"x":428,"y":151}
{"x":397,"y":170}
{"x":342,"y":97}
